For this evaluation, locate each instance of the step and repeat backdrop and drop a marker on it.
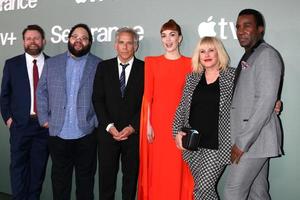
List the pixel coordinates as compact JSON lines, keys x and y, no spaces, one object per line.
{"x":197,"y":18}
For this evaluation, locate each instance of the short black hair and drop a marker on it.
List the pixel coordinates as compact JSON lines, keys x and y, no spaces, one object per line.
{"x":84,"y":26}
{"x":34,"y":27}
{"x":257,"y":15}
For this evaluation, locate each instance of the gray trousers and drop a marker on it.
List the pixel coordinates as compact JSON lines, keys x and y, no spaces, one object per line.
{"x":248,"y":180}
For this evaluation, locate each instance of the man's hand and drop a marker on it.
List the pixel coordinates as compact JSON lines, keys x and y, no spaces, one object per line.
{"x":178,"y":140}
{"x":278,"y":107}
{"x":9,"y":122}
{"x":125,"y":133}
{"x":114,"y":132}
{"x":236,"y":154}
{"x":46,"y":125}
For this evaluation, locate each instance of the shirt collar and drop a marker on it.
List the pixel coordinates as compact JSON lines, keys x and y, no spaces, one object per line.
{"x":31,"y":58}
{"x":129,"y":62}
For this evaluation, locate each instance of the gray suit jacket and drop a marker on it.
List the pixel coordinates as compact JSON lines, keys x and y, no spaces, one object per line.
{"x":52,"y":95}
{"x":255,"y":126}
{"x":182,"y":114}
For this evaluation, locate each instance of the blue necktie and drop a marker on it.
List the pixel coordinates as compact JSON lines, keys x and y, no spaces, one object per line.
{"x":122,"y":78}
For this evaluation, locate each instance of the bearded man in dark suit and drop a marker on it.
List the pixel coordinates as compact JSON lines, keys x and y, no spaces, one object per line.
{"x":28,"y":140}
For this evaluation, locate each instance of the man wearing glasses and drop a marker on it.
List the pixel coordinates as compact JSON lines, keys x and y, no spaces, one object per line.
{"x":65,"y":107}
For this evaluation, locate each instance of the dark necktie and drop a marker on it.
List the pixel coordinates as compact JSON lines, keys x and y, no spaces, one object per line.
{"x":122,"y":78}
{"x":35,"y":83}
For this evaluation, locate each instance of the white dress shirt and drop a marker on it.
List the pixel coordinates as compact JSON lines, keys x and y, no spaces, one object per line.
{"x":40,"y":60}
{"x":127,"y":69}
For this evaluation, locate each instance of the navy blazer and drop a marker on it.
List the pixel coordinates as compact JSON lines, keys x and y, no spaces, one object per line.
{"x":52,"y":95}
{"x":15,"y":91}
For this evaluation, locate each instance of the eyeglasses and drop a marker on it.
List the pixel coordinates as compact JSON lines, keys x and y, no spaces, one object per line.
{"x":83,"y":38}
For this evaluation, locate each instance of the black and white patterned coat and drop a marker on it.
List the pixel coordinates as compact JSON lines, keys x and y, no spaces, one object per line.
{"x":181,"y":118}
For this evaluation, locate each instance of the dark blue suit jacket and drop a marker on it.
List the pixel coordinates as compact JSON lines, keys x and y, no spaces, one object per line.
{"x":15,"y":91}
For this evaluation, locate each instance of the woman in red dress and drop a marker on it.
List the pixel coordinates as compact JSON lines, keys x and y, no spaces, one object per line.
{"x":163,"y":173}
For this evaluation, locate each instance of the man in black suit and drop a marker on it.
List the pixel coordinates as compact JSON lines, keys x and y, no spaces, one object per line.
{"x":28,"y":141}
{"x":117,"y":98}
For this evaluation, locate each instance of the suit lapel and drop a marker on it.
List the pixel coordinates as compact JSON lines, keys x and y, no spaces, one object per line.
{"x":46,"y":56}
{"x":24,"y":72}
{"x":88,"y":68}
{"x":115,"y":72}
{"x":196,"y":77}
{"x":225,"y":90}
{"x":115,"y":80}
{"x":132,"y":76}
{"x":62,"y":66}
{"x":193,"y":82}
{"x":25,"y":83}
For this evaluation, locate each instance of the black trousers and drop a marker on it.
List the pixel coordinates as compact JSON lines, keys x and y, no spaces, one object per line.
{"x":29,"y":156}
{"x":110,"y":151}
{"x":68,"y":155}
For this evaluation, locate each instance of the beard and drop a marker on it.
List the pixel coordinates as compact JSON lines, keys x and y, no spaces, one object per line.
{"x":79,"y":53}
{"x":33,"y":51}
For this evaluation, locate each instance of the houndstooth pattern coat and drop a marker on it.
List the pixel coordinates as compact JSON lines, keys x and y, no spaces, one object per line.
{"x":181,"y":118}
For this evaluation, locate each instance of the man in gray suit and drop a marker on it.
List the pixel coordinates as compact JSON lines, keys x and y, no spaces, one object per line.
{"x":65,"y":106}
{"x":255,"y":129}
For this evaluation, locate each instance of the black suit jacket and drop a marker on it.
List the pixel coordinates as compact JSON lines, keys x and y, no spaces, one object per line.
{"x":15,"y":97}
{"x":109,"y":105}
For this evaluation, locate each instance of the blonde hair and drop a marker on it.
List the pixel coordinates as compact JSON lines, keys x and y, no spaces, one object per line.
{"x":216,"y":43}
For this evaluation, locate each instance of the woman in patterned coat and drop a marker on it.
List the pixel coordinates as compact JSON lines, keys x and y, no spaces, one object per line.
{"x":205,"y":106}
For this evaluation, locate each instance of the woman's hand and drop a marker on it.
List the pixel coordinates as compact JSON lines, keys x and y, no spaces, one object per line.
{"x":150,"y":132}
{"x":178,"y":140}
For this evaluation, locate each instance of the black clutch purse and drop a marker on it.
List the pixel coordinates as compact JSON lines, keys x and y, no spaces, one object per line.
{"x":191,"y":140}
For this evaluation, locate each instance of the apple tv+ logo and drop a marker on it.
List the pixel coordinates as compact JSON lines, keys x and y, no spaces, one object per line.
{"x":208,"y":28}
{"x":85,"y":1}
